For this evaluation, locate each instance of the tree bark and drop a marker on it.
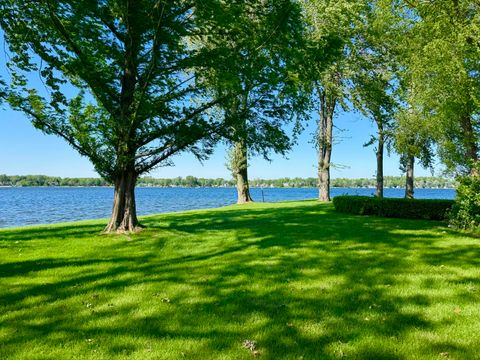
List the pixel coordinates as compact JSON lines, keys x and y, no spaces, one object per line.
{"x":325,"y":137}
{"x":379,"y":154}
{"x":124,"y":212}
{"x":471,"y":146}
{"x":240,"y":168}
{"x":409,"y":174}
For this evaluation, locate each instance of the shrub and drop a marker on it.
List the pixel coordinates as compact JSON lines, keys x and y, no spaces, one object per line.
{"x":465,"y":214}
{"x":396,"y":208}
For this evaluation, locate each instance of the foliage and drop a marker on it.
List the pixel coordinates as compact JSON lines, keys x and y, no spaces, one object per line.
{"x":372,"y":82}
{"x":192,"y":181}
{"x":412,"y":137}
{"x":465,"y":213}
{"x":125,"y":81}
{"x":327,"y":82}
{"x":396,"y":208}
{"x":296,"y":278}
{"x":439,"y":52}
{"x":362,"y":68}
{"x":42,"y":180}
{"x":128,"y":71}
{"x":320,"y":15}
{"x":258,"y":75}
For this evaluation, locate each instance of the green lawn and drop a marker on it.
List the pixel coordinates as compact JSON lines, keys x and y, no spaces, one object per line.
{"x":296,"y":279}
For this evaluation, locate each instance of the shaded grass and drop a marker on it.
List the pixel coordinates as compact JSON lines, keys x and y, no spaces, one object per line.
{"x":299,"y":279}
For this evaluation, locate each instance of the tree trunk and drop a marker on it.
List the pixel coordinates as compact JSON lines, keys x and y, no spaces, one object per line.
{"x":240,"y":167}
{"x":470,"y":144}
{"x":409,"y":181}
{"x":124,"y":212}
{"x":325,"y":137}
{"x":323,"y":180}
{"x":379,"y":153}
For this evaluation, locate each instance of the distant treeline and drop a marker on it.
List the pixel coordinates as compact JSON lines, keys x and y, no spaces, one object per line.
{"x":191,"y":181}
{"x":42,"y":180}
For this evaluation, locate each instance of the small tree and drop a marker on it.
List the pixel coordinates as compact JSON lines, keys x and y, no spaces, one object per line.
{"x":412,"y":140}
{"x":465,"y":212}
{"x":371,"y":96}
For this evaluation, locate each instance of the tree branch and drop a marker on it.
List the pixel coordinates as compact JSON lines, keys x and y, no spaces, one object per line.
{"x":81,"y":56}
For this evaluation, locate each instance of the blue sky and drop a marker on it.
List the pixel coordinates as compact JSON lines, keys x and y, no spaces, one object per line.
{"x":26,"y":150}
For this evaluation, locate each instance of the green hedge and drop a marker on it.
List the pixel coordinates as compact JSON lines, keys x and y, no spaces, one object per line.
{"x":395,"y":208}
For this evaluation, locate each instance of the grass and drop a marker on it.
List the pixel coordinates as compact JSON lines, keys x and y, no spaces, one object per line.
{"x":297,"y":279}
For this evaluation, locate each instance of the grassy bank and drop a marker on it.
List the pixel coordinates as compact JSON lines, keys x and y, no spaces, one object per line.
{"x":297,"y":280}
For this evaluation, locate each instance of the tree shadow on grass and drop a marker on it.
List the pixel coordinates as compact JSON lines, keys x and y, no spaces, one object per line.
{"x":27,"y":233}
{"x":301,"y":281}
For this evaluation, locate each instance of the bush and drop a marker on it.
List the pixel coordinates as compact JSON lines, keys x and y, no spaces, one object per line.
{"x":465,"y":214}
{"x":395,"y":208}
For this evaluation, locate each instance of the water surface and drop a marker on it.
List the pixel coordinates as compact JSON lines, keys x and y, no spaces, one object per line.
{"x":47,"y":205}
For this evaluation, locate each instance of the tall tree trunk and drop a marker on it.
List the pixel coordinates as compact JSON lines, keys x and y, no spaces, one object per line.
{"x":409,"y":181}
{"x":379,"y":154}
{"x":124,"y":212}
{"x":470,"y":144}
{"x":240,"y":168}
{"x":325,"y":137}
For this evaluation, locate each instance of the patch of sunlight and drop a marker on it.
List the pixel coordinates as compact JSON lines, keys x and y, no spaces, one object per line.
{"x":310,"y":329}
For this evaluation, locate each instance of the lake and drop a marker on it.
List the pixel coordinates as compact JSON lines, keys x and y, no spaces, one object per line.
{"x":48,"y":205}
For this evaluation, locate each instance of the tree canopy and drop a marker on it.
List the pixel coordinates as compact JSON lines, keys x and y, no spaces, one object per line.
{"x":124,"y":79}
{"x":130,"y":84}
{"x":259,"y":78}
{"x":441,"y":68}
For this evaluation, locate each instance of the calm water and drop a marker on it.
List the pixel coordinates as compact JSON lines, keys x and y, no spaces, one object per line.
{"x":30,"y":205}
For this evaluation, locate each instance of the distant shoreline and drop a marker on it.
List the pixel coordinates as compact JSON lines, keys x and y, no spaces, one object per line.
{"x":213,"y":187}
{"x":390,"y":182}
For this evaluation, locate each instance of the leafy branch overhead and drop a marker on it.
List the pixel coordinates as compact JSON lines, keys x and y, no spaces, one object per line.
{"x":125,"y":81}
{"x":257,"y":73}
{"x":119,"y":76}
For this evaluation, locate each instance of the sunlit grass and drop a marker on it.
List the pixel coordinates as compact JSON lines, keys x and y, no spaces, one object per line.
{"x":296,"y":279}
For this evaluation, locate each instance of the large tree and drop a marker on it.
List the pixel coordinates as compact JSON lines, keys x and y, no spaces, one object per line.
{"x":373,"y":91}
{"x":120,"y":81}
{"x":258,"y":80}
{"x":330,"y":85}
{"x":441,"y":61}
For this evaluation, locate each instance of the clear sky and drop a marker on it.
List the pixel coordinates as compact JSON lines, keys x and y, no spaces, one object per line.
{"x":25,"y":150}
